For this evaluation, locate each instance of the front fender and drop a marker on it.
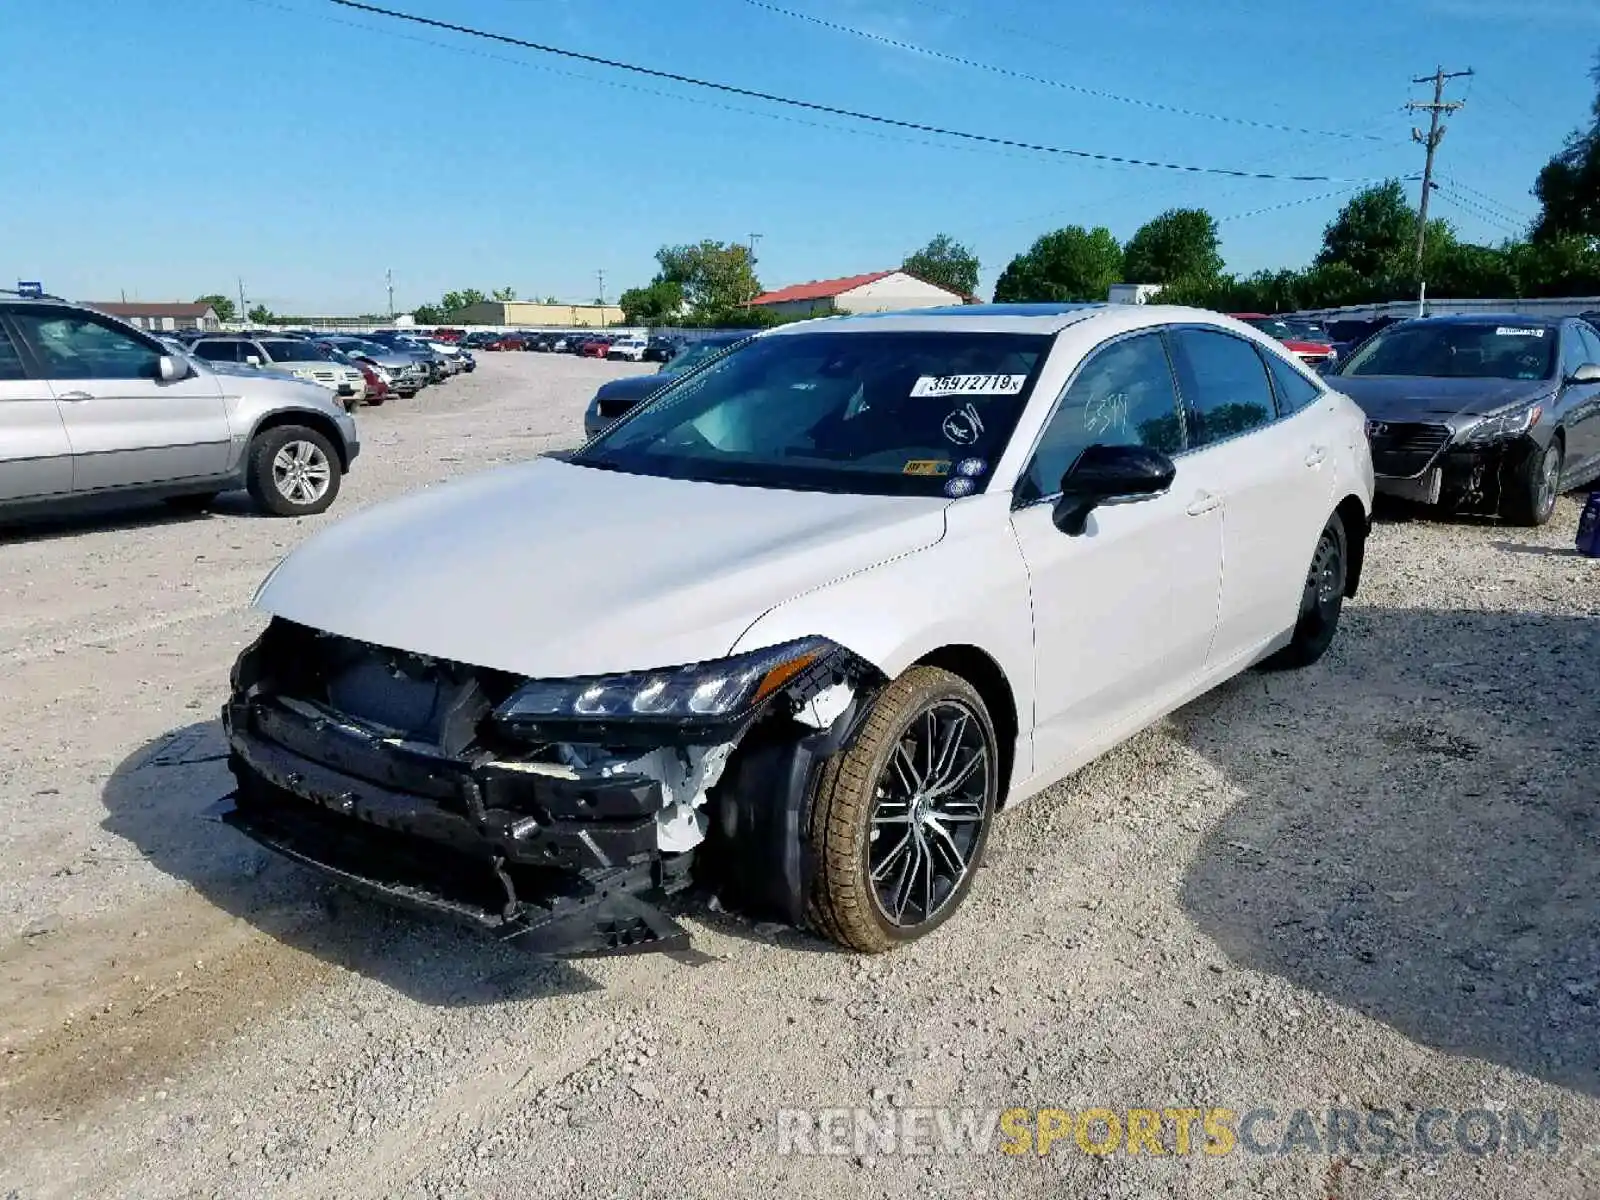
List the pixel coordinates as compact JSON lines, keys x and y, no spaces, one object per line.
{"x":969,"y":589}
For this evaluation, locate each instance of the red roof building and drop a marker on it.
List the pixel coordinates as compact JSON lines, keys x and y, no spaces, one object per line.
{"x":877,"y":291}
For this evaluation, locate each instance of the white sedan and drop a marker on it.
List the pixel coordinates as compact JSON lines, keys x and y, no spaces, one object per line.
{"x":630,"y":349}
{"x":799,"y":626}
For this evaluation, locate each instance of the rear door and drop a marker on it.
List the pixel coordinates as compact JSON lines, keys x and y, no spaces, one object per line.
{"x":35,"y":456}
{"x":126,"y":427}
{"x":1274,"y":473}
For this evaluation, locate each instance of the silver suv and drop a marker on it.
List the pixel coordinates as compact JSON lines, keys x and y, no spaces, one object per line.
{"x":91,"y":407}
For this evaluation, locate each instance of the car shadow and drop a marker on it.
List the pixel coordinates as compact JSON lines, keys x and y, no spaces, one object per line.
{"x":1538,"y":551}
{"x":1418,"y":837}
{"x":157,"y":799}
{"x":77,"y":518}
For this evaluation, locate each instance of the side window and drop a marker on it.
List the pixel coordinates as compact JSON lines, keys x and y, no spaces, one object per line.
{"x":73,"y":346}
{"x":1122,"y":396}
{"x":10,"y":360}
{"x":1294,"y":390}
{"x":1591,"y":343}
{"x":217,"y":351}
{"x":1573,"y":355}
{"x":1225,"y":387}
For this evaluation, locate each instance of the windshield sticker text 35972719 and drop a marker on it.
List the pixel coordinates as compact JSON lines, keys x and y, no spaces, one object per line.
{"x":968,"y":385}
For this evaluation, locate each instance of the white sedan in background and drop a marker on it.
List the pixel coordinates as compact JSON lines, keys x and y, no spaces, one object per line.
{"x":630,"y":349}
{"x":802,"y":623}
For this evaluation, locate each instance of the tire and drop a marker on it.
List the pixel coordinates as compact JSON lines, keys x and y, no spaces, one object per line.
{"x":282,"y":473}
{"x":1535,"y":483}
{"x":193,"y":502}
{"x":1321,"y":602}
{"x":859,"y":796}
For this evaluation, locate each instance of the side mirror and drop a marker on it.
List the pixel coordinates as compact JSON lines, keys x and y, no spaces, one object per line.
{"x":1588,"y":373}
{"x":1109,"y":473}
{"x":252,"y":360}
{"x":169,"y":367}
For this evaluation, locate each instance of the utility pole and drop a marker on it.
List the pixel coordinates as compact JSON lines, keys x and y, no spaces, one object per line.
{"x":1431,"y":140}
{"x":388,"y":278}
{"x":754,"y":238}
{"x":601,"y":276}
{"x":241,"y":315}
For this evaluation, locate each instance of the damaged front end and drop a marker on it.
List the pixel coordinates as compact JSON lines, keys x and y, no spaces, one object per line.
{"x":558,"y":813}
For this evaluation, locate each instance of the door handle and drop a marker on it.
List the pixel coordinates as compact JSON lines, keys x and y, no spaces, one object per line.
{"x":74,"y":397}
{"x":1203,"y":503}
{"x":1316,"y":455}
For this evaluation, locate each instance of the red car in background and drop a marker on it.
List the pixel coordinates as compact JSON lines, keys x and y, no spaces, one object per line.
{"x":510,"y":341}
{"x":595,"y":347}
{"x":448,"y":335}
{"x":1317,"y":355}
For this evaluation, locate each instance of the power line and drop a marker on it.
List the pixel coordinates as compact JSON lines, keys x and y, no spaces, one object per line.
{"x":812,"y":106}
{"x":1154,"y":105}
{"x":1483,"y":214}
{"x":1489,"y":201}
{"x":1436,"y":109}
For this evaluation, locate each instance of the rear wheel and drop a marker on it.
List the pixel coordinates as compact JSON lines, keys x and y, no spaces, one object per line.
{"x":1535,"y":483}
{"x":293,"y":471}
{"x":1322,"y":600}
{"x":899,"y":820}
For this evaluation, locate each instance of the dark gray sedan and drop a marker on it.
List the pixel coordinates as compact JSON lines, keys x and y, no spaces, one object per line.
{"x":1496,"y":414}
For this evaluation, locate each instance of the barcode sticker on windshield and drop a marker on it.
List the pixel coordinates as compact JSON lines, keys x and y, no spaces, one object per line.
{"x":968,"y":385}
{"x":1508,"y":331}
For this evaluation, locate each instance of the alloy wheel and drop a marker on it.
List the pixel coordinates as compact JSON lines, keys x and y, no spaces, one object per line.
{"x":932,"y":801}
{"x":301,"y":472}
{"x":1549,"y":478}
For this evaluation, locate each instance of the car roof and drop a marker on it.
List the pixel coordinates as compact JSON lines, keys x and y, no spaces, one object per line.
{"x":1520,"y":319}
{"x":1009,"y":318}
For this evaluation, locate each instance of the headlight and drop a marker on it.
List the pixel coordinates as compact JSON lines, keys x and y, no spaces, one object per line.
{"x":711,"y":693}
{"x":1508,"y":423}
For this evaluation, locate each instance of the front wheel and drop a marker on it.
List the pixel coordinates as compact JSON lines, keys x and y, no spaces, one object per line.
{"x":899,"y":820}
{"x":1534,"y":485}
{"x":293,"y":471}
{"x":1322,"y":600}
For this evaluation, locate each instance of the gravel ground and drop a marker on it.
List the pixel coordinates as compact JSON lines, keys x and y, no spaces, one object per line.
{"x":1370,"y":883}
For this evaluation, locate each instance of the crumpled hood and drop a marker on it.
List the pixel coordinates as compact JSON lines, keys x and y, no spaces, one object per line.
{"x":1407,"y":398}
{"x":550,"y":569}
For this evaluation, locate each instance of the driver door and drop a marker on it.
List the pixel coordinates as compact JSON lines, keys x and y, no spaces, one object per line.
{"x":1123,"y":614}
{"x":125,"y":426}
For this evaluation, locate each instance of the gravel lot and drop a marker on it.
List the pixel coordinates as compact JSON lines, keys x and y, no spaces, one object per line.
{"x":1371,"y":883}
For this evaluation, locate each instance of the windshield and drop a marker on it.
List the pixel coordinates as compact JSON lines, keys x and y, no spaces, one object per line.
{"x":287,"y":351}
{"x":1455,"y":350}
{"x":876,"y":413}
{"x":1273,"y":327}
{"x":692,"y":355}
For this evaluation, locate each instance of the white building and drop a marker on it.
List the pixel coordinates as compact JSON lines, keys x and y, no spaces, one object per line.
{"x":881,"y":291}
{"x":1134,"y":293}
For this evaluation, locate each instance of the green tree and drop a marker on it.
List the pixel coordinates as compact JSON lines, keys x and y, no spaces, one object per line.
{"x":716,"y":277}
{"x":1071,"y":264}
{"x":1374,"y":234}
{"x":1569,"y":185}
{"x":454,"y":302}
{"x":551,"y":300}
{"x":261,"y":315}
{"x":1179,"y":245}
{"x":659,"y":303}
{"x":223,"y":307}
{"x":505,"y":294}
{"x":945,"y":262}
{"x":428,"y":314}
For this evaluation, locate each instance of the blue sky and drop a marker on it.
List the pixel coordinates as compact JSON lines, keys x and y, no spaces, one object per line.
{"x":172,"y":147}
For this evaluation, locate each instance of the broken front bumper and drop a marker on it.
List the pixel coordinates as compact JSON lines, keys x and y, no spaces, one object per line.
{"x":564,"y":866}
